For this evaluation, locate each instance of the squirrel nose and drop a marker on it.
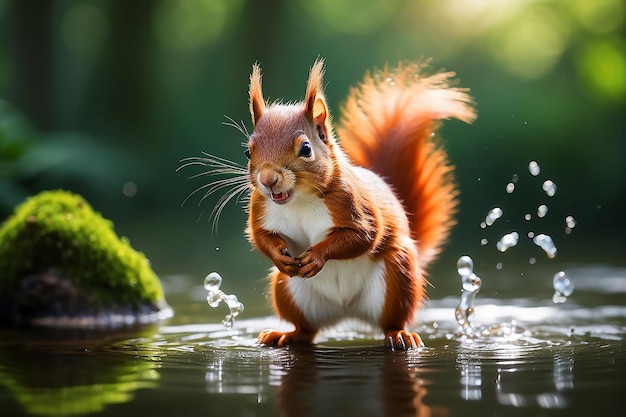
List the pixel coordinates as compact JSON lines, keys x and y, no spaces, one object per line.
{"x":268,"y":177}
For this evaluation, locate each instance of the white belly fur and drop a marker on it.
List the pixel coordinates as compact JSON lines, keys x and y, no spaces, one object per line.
{"x":353,"y":288}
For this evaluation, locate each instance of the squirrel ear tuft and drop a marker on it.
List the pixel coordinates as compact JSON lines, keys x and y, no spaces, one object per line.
{"x":257,"y":103}
{"x":314,"y":101}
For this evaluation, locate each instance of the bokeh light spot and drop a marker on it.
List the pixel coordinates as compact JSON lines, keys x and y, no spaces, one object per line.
{"x":189,"y":24}
{"x":84,"y":29}
{"x":603,"y":68}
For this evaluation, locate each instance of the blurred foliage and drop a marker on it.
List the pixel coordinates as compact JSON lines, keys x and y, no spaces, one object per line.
{"x":31,"y":160}
{"x":147,"y":83}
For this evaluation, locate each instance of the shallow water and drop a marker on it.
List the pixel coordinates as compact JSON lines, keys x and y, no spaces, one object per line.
{"x":536,"y":358}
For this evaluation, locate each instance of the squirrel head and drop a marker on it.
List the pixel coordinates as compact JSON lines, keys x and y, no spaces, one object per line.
{"x":291,"y":150}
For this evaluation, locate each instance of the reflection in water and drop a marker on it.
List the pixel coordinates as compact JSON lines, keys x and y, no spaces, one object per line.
{"x":63,"y":373}
{"x":318,"y":381}
{"x":564,"y":370}
{"x":543,"y":394}
{"x":471,"y":377}
{"x":516,"y":384}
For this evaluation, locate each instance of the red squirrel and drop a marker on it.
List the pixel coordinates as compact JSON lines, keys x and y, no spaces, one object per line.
{"x":350,"y":220}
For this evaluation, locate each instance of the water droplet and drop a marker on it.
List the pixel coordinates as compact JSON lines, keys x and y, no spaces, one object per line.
{"x":563,"y":287}
{"x":232,"y":301}
{"x":532,"y":261}
{"x":228,"y":321}
{"x":472,"y":283}
{"x":563,"y":284}
{"x":549,"y":187}
{"x":470,"y":286}
{"x":533,"y":168}
{"x":238,"y":308}
{"x":507,"y":241}
{"x":483,"y":242}
{"x":514,"y":178}
{"x":215,"y":296}
{"x":499,"y":266}
{"x":212,"y":282}
{"x":542,"y":210}
{"x":465,"y":266}
{"x":493,"y":215}
{"x":528,"y":216}
{"x":510,"y":187}
{"x":545,"y":242}
{"x":570,"y":223}
{"x":531,"y":234}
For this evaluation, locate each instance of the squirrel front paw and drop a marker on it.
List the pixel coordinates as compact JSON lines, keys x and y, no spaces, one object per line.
{"x":277,"y":338}
{"x":310,"y":263}
{"x":286,"y":263}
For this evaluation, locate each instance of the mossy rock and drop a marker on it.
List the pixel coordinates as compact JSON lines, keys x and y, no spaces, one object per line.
{"x":62,"y":264}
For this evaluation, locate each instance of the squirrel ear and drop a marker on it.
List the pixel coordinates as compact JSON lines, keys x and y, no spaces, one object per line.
{"x":314,"y":102}
{"x":257,"y":103}
{"x":319,"y":111}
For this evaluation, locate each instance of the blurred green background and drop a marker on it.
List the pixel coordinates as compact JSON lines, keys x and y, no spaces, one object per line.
{"x":106,"y":97}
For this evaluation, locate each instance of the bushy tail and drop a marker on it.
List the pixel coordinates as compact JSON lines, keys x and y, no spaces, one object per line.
{"x":388,"y":125}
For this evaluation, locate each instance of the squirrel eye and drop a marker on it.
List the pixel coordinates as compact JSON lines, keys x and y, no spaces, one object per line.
{"x":247,"y":153}
{"x":305,"y":149}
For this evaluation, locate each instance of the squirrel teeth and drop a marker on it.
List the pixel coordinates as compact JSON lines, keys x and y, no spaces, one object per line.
{"x":280,"y":198}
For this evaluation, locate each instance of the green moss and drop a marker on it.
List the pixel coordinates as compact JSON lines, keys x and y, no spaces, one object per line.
{"x":58,"y":231}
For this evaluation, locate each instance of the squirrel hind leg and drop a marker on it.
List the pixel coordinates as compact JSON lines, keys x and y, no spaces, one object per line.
{"x":402,"y":340}
{"x":277,"y":338}
{"x":287,"y":310}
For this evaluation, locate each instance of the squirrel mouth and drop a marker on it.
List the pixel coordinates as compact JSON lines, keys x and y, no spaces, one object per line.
{"x":280,"y":198}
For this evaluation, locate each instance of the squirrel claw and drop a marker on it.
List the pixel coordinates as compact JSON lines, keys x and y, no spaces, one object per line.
{"x":403,"y":340}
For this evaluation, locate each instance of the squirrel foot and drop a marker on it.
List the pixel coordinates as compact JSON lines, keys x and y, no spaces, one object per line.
{"x":277,"y":338}
{"x":402,"y":340}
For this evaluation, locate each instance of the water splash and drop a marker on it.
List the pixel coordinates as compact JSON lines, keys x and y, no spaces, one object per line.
{"x":470,"y":286}
{"x":545,"y":242}
{"x":471,"y":283}
{"x":215,"y":296}
{"x":549,"y":187}
{"x":507,"y":241}
{"x":563,"y":287}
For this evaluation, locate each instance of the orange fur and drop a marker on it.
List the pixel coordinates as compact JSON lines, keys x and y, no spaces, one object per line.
{"x":350,"y":213}
{"x":388,"y":125}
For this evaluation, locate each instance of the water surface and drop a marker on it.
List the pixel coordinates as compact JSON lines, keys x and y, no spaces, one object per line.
{"x":536,"y":358}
